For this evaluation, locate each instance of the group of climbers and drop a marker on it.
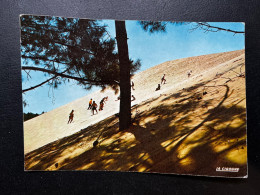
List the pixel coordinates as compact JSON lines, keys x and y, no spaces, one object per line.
{"x":93,"y":105}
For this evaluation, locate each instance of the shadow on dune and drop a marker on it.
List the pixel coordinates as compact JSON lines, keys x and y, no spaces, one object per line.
{"x":47,"y":155}
{"x":188,"y":136}
{"x":201,"y":158}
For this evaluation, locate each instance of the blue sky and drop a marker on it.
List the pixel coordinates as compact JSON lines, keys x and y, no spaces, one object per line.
{"x":152,"y":49}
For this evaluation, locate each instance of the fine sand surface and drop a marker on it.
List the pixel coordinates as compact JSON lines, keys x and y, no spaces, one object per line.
{"x":175,"y":130}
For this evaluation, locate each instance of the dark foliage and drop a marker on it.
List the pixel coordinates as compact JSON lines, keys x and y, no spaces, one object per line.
{"x":70,"y":48}
{"x":29,"y":115}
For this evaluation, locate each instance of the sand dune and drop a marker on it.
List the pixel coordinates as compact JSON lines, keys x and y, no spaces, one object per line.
{"x":170,"y":125}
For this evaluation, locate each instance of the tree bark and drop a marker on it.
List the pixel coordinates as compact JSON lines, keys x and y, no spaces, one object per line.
{"x":125,"y":87}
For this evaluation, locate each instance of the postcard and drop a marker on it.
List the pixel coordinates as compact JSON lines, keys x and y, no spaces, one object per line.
{"x":134,"y":96}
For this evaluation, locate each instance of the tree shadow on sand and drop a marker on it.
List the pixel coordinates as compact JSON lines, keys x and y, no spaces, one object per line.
{"x":177,"y":133}
{"x":195,"y":150}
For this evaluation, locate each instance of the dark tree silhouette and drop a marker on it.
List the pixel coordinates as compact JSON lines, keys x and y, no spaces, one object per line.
{"x":70,"y":48}
{"x":82,"y":50}
{"x":125,"y":87}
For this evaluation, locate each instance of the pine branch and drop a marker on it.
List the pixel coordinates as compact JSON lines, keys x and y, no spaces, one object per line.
{"x":209,"y":28}
{"x":36,"y":86}
{"x":74,"y":46}
{"x":42,"y":58}
{"x":85,"y":81}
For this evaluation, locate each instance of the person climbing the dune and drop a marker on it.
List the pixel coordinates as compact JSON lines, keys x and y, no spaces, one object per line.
{"x":104,"y":100}
{"x":90,"y":104}
{"x":132,"y":85}
{"x":71,"y":116}
{"x":101,"y":105}
{"x":158,"y":88}
{"x":94,"y":107}
{"x":189,"y":73}
{"x":163,"y":80}
{"x":133,"y":98}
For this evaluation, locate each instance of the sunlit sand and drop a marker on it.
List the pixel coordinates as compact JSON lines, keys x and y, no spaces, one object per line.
{"x":190,"y":126}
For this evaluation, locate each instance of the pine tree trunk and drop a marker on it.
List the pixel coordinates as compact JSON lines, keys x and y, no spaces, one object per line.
{"x":125,"y":88}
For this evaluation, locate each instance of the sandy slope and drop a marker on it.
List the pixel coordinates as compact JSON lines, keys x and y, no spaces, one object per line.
{"x":170,"y":121}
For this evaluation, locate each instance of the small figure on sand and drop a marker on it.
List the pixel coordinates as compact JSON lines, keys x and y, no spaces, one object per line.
{"x":158,"y":88}
{"x":163,"y":80}
{"x":101,"y":105}
{"x":94,"y":107}
{"x":189,"y":73}
{"x":90,"y":104}
{"x":132,"y":85}
{"x":133,"y":98}
{"x":71,"y":116}
{"x":118,"y":98}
